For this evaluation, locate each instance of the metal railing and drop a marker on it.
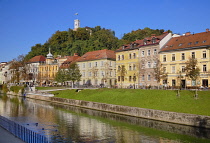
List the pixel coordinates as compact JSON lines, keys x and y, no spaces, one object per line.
{"x":22,"y":132}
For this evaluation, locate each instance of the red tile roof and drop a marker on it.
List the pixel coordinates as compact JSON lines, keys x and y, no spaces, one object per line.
{"x":70,"y":59}
{"x":39,"y":58}
{"x":97,"y":55}
{"x":188,"y":41}
{"x":140,"y":43}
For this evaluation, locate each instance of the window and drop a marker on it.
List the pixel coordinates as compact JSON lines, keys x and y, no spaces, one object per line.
{"x":149,"y":65}
{"x":183,"y":56}
{"x":130,"y":77}
{"x":118,"y":78}
{"x":180,"y":44}
{"x":173,"y":57}
{"x":83,"y":65}
{"x":204,"y":41}
{"x":196,"y":42}
{"x":204,"y":54}
{"x":96,"y":64}
{"x":173,"y":82}
{"x":149,"y":77}
{"x":118,"y":57}
{"x":173,"y":69}
{"x":83,"y":74}
{"x":204,"y":68}
{"x":164,"y":69}
{"x":193,"y":55}
{"x":134,"y":55}
{"x":102,"y":63}
{"x":122,"y":57}
{"x":164,"y":58}
{"x":142,"y":53}
{"x":129,"y":56}
{"x":155,"y":51}
{"x":130,"y":68}
{"x":119,"y":68}
{"x":155,"y":64}
{"x":89,"y":65}
{"x":190,"y":43}
{"x":148,"y":52}
{"x":134,"y":67}
{"x":142,"y":78}
{"x":153,"y":40}
{"x":183,"y":68}
{"x":90,"y":74}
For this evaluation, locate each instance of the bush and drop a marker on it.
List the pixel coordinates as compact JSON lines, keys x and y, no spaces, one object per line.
{"x":5,"y":88}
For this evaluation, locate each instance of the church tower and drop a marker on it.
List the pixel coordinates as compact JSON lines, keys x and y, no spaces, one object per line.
{"x":76,"y":24}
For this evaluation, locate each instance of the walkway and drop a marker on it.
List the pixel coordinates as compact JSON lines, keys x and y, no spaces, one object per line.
{"x":7,"y":137}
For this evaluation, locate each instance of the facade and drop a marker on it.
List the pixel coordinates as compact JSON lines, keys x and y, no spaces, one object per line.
{"x":2,"y":65}
{"x":48,"y":70}
{"x":97,"y":68}
{"x":6,"y":73}
{"x":33,"y":65}
{"x":140,"y":58}
{"x":176,"y":53}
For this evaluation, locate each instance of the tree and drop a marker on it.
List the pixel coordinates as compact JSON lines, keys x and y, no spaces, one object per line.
{"x":192,"y":70}
{"x":61,"y":76}
{"x":73,"y":73}
{"x":159,"y":72}
{"x":122,"y":72}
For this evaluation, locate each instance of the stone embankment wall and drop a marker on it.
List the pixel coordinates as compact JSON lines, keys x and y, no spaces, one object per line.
{"x":173,"y":117}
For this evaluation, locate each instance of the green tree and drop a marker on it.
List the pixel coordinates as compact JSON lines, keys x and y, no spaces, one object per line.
{"x":73,"y":73}
{"x":61,"y":76}
{"x":192,"y":70}
{"x":159,"y":72}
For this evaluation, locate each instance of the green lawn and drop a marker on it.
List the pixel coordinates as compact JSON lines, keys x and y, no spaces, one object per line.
{"x":48,"y":88}
{"x":151,"y":99}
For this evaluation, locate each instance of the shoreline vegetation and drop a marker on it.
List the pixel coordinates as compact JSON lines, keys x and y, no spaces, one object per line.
{"x":166,"y":100}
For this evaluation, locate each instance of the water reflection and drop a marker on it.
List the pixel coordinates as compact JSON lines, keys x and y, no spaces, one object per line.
{"x":84,"y":125}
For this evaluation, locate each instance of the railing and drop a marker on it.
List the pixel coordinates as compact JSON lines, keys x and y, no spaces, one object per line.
{"x":22,"y":132}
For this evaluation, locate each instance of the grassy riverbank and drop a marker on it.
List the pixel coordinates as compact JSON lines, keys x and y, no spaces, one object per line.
{"x":152,"y":99}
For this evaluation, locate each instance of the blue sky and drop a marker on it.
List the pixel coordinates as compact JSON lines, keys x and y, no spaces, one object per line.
{"x":24,"y":23}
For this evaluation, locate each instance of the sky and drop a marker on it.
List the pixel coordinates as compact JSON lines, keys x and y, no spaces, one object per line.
{"x":25,"y":23}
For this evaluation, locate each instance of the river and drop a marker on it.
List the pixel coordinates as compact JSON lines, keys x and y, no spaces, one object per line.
{"x":63,"y":123}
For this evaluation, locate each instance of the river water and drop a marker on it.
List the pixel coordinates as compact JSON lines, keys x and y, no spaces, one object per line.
{"x":63,"y":123}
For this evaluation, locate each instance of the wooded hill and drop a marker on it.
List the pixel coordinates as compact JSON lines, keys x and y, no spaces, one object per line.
{"x":87,"y":39}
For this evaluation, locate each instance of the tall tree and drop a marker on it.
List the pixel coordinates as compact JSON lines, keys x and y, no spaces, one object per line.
{"x":192,"y":70}
{"x":61,"y":76}
{"x":159,"y":72}
{"x":73,"y":73}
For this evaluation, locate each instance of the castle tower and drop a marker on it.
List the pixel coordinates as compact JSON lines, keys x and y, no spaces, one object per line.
{"x":76,"y":24}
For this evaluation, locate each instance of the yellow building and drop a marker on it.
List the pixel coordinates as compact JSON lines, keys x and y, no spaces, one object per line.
{"x":48,"y":70}
{"x":176,"y":53}
{"x":127,"y":56}
{"x":139,"y":59}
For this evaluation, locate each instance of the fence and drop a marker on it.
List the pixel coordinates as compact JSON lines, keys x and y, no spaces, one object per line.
{"x":22,"y":132}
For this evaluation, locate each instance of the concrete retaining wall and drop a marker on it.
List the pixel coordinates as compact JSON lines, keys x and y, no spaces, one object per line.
{"x":173,"y":117}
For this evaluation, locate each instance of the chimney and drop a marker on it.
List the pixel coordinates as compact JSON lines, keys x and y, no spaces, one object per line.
{"x":207,"y":30}
{"x":187,"y":33}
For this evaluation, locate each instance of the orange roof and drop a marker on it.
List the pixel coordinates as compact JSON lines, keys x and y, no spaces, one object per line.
{"x":188,"y":41}
{"x":71,"y":59}
{"x":97,"y":55}
{"x":140,"y":43}
{"x":39,"y":58}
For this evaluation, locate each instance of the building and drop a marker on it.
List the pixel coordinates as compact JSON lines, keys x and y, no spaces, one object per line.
{"x":48,"y":70}
{"x":139,"y":59}
{"x":33,"y":68}
{"x":176,"y":53}
{"x":97,"y":68}
{"x":2,"y":65}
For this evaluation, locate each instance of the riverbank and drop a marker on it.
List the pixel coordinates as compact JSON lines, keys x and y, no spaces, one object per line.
{"x":166,"y":116}
{"x":166,"y":100}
